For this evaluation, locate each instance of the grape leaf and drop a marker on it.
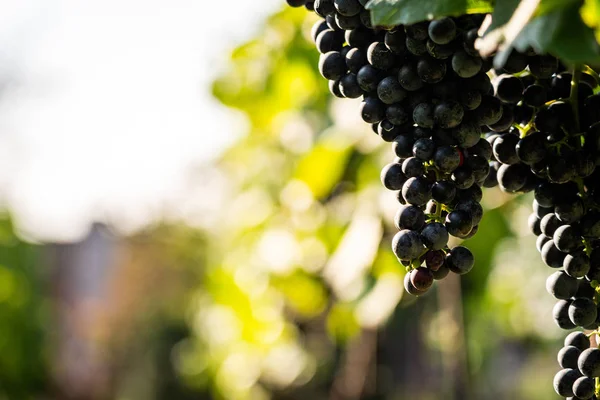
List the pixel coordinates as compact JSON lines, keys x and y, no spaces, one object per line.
{"x":557,"y":29}
{"x":562,"y":33}
{"x":574,"y":41}
{"x":502,"y":13}
{"x":396,"y":12}
{"x":547,"y":6}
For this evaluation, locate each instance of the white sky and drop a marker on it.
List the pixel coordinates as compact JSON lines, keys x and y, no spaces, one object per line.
{"x":110,"y":105}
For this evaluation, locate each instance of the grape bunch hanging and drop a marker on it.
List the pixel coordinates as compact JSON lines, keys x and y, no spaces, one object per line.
{"x":457,"y":125}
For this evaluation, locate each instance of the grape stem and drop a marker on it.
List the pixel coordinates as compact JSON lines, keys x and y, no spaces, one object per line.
{"x":574,"y":97}
{"x":591,"y":72}
{"x":438,"y":211}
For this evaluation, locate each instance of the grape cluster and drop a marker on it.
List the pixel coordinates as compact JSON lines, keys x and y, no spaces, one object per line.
{"x":580,"y":365}
{"x":456,"y":126}
{"x":424,"y":89}
{"x":552,"y":147}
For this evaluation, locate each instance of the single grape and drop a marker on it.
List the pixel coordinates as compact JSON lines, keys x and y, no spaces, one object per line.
{"x":458,"y":223}
{"x":577,"y":264}
{"x":505,"y":148}
{"x":463,"y":177}
{"x":409,"y":287}
{"x":583,"y":312}
{"x":535,"y":95}
{"x":564,"y":380}
{"x":413,"y":167}
{"x":317,"y":28}
{"x":465,"y":65}
{"x":403,"y":145}
{"x":423,"y":149}
{"x":389,"y":133}
{"x":390,"y":91}
{"x":423,"y":115}
{"x":589,"y":363}
{"x":416,"y":47}
{"x":332,"y":65}
{"x":584,"y":388}
{"x":489,"y":112}
{"x":443,"y":191}
{"x":355,"y":60}
{"x":396,"y":41}
{"x":392,"y":177}
{"x":442,"y":31}
{"x":509,"y":89}
{"x":577,"y":339}
{"x":512,"y":178}
{"x":324,"y":7}
{"x":560,"y":312}
{"x":543,"y":67}
{"x":549,"y":224}
{"x":567,"y":238}
{"x":532,"y":148}
{"x":551,"y":256}
{"x":397,"y":114}
{"x":409,"y":78}
{"x":448,"y":114}
{"x":368,"y":78}
{"x":446,"y":158}
{"x":568,"y":356}
{"x":434,"y":259}
{"x":569,"y":211}
{"x":561,"y":286}
{"x":435,"y":236}
{"x":349,"y":86}
{"x":407,"y":245}
{"x":347,"y":22}
{"x":409,"y":217}
{"x":431,"y":70}
{"x":460,"y":260}
{"x":416,"y":191}
{"x":541,"y":241}
{"x":417,"y":31}
{"x":379,"y":56}
{"x":421,"y":278}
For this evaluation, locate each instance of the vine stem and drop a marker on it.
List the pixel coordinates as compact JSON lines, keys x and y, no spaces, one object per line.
{"x":591,"y":72}
{"x":574,"y":97}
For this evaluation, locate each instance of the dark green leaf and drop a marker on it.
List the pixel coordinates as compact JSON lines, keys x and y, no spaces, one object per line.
{"x":563,"y":34}
{"x":502,"y":13}
{"x":574,"y":41}
{"x":547,"y":6}
{"x":396,"y":12}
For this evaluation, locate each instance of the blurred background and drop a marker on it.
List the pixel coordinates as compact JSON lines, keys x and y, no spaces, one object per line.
{"x":188,"y":214}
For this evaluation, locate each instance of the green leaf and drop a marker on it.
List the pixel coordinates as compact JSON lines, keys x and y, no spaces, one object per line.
{"x":396,"y":12}
{"x":574,"y":41}
{"x":563,"y":34}
{"x":547,"y":6}
{"x":502,"y":13}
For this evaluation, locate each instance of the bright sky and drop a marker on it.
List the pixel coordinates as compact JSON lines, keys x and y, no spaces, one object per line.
{"x":108,"y":104}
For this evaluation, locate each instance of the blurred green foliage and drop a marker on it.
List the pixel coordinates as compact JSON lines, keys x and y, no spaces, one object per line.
{"x":23,"y":360}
